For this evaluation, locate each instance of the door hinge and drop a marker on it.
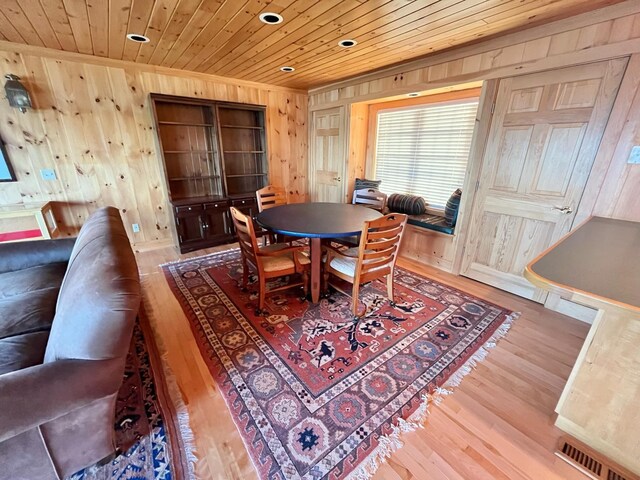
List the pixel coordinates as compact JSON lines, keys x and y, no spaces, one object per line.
{"x":477,"y":185}
{"x":179,"y":238}
{"x":493,"y":107}
{"x":177,"y":221}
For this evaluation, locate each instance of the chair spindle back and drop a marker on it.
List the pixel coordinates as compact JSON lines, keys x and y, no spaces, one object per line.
{"x":370,"y":197}
{"x":246,"y":235}
{"x":270,"y":196}
{"x":379,"y":245}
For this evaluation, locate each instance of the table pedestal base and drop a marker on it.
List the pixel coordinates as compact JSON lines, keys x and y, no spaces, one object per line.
{"x":316,"y":267}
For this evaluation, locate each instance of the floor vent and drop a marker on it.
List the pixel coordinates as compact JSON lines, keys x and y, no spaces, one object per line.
{"x":590,"y":462}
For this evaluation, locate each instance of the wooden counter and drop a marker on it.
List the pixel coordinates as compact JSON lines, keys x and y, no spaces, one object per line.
{"x":598,"y":265}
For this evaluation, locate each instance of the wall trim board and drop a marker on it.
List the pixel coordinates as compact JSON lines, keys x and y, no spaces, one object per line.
{"x":20,"y":48}
{"x":612,"y":12}
{"x":612,"y":188}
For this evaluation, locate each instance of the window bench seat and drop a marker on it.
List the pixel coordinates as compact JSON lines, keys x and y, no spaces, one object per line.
{"x":432,"y":222}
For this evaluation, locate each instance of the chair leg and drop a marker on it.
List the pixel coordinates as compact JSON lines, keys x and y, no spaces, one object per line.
{"x":325,"y":280}
{"x":355,"y":300}
{"x":263,"y":291}
{"x":245,"y":275}
{"x":390,"y":287}
{"x":305,"y":282}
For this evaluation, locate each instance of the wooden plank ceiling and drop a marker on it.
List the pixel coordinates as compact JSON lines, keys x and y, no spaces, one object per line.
{"x":226,"y":37}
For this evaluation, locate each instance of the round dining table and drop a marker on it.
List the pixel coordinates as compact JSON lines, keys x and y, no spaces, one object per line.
{"x":316,"y":221}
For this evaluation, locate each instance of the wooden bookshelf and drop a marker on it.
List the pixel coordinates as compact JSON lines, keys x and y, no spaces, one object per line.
{"x":214,"y":157}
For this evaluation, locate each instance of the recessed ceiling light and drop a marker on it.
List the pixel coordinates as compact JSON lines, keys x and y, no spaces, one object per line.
{"x":287,"y":69}
{"x":414,"y":94}
{"x":270,"y":18}
{"x":138,"y":38}
{"x":347,"y":43}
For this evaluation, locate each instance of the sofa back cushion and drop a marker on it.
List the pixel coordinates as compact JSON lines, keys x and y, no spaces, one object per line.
{"x":99,"y":296}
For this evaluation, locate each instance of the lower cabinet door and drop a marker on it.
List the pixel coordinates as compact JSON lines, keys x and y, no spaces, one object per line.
{"x":217,"y":222}
{"x":190,"y":228}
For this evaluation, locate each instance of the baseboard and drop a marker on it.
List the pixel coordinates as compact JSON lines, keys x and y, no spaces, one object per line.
{"x":571,"y":309}
{"x":152,"y":245}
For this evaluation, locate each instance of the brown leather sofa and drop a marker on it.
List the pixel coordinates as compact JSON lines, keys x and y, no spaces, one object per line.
{"x":67,"y":309}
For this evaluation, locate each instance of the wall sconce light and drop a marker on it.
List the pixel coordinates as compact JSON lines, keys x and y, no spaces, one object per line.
{"x":16,"y":93}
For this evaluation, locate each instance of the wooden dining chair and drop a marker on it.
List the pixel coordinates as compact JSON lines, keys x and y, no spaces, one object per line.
{"x":271,"y":261}
{"x":367,"y":197}
{"x":370,"y":197}
{"x":374,"y":258}
{"x":270,"y":196}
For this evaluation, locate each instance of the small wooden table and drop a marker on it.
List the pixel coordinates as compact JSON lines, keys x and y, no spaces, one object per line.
{"x":598,"y":265}
{"x":27,"y":221}
{"x":316,"y":221}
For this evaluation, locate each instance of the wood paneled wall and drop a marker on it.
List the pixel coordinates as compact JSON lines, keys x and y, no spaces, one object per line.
{"x":92,"y":124}
{"x":607,"y":33}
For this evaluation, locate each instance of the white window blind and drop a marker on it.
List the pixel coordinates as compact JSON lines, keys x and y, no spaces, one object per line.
{"x":423,"y":150}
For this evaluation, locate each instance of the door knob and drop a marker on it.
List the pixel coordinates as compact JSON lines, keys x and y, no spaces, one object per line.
{"x":337,"y":179}
{"x":566,"y":210}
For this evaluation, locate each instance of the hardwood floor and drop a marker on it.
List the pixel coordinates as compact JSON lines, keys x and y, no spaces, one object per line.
{"x":498,"y":424}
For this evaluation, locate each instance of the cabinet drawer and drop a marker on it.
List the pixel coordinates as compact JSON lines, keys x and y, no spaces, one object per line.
{"x":246,"y":202}
{"x":189,"y":209}
{"x":216,"y":205}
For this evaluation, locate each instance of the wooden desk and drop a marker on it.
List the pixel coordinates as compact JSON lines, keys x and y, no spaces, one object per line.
{"x":598,"y":264}
{"x":27,"y":222}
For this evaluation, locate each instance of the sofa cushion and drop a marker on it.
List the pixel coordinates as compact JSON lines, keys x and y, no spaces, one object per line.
{"x":409,"y":204}
{"x":28,"y":299}
{"x":432,"y":222}
{"x":451,"y":210}
{"x":22,"y":351}
{"x":31,"y":279}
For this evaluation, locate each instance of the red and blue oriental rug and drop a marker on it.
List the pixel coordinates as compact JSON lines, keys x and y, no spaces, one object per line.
{"x":151,"y":428}
{"x":315,"y":393}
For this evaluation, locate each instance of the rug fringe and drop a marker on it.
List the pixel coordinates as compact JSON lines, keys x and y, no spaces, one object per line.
{"x":182,"y":413}
{"x":199,"y":257}
{"x":391,"y":442}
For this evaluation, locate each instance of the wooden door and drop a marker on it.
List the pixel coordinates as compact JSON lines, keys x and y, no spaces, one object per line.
{"x":542,"y":142}
{"x":327,"y":155}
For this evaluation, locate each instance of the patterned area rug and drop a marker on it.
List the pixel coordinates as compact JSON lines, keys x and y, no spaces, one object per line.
{"x":315,"y":393}
{"x":154,"y":439}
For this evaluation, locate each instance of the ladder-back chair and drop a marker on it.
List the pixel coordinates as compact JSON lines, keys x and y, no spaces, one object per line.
{"x":270,"y":196}
{"x":369,"y":197}
{"x":272,"y":261}
{"x":374,"y":258}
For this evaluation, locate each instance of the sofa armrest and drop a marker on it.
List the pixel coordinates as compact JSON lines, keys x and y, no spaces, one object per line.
{"x":20,"y":255}
{"x":36,"y":395}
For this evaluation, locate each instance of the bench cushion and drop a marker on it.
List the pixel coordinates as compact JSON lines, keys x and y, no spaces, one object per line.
{"x":432,"y":222}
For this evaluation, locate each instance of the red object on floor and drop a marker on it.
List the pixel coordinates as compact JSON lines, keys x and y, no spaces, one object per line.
{"x":20,"y":235}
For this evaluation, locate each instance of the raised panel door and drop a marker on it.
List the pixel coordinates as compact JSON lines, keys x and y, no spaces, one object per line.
{"x":543,"y":139}
{"x":327,"y":155}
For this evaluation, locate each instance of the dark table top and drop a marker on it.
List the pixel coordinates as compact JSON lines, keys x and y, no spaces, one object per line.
{"x":600,"y":259}
{"x":316,"y":220}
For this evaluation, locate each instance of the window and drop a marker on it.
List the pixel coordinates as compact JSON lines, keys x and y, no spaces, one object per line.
{"x":423,"y":149}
